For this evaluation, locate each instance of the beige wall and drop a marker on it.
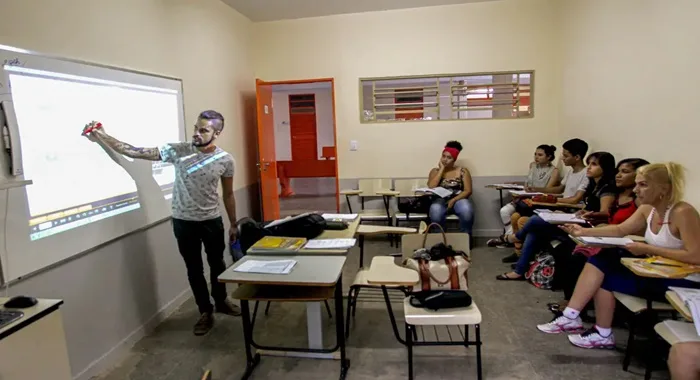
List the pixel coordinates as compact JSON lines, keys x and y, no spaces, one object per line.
{"x":205,"y":43}
{"x":490,"y":36}
{"x":630,"y":79}
{"x":118,"y":292}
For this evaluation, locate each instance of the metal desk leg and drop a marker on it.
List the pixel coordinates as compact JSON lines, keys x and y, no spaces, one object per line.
{"x":314,"y":325}
{"x":340,"y":329}
{"x":500,"y":196}
{"x":251,"y":360}
{"x":361,"y":243}
{"x":477,"y":328}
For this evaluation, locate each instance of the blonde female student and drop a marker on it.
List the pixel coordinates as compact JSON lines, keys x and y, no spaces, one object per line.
{"x":542,"y":177}
{"x":671,"y":229}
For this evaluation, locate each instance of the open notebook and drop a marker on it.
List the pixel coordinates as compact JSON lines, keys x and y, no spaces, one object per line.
{"x":691,"y":299}
{"x":439,"y":191}
{"x":559,"y":217}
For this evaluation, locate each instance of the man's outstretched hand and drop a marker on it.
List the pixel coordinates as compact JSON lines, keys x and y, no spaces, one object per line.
{"x":92,"y":130}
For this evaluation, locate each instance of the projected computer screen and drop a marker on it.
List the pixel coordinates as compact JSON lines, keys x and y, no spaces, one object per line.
{"x":75,"y":181}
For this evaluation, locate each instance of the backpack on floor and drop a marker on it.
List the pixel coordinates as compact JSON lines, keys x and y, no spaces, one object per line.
{"x":541,"y":272}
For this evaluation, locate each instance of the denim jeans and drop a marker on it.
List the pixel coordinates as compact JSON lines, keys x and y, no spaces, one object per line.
{"x":463,"y":209}
{"x":535,"y":235}
{"x":190,"y":236}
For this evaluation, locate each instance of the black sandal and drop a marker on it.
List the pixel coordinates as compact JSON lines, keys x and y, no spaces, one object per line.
{"x":504,"y":277}
{"x":500,"y":241}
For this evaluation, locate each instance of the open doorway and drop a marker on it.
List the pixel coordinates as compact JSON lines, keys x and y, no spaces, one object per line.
{"x":302,"y":122}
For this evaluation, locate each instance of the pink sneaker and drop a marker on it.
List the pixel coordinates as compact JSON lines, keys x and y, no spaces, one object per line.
{"x":561,"y":324}
{"x":592,"y":339}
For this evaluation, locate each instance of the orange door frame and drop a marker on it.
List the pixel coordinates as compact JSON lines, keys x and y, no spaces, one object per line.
{"x":335,"y":128}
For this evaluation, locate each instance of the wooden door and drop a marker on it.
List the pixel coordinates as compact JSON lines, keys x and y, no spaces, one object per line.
{"x":302,"y":126}
{"x":267,"y":163}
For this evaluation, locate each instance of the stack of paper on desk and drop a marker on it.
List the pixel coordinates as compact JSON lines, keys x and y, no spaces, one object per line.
{"x":522,"y":193}
{"x":330,"y":244}
{"x":266,"y":266}
{"x":344,"y":217}
{"x":691,"y":299}
{"x":604,"y":241}
{"x":508,"y":186}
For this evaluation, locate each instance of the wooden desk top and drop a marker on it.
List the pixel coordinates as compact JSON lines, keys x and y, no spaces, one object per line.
{"x":384,"y":271}
{"x":558,"y":205}
{"x":308,"y":271}
{"x":628,"y":262}
{"x":367,"y":229}
{"x":31,"y":314}
{"x":677,"y":304}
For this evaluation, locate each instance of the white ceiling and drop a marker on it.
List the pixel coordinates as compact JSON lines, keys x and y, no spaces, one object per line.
{"x":270,"y":10}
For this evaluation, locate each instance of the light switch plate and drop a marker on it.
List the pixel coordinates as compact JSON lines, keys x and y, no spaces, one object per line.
{"x":353,"y":145}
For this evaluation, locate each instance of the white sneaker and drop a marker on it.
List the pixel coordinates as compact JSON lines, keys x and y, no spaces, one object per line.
{"x":561,"y":324}
{"x":593,"y":339}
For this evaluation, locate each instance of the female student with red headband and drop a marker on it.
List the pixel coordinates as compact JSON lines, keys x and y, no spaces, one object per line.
{"x":459,"y":181}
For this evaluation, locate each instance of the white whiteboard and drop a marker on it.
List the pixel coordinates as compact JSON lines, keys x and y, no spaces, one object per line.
{"x":84,"y":195}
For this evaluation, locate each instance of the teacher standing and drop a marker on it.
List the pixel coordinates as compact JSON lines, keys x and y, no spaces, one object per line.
{"x":199,"y":165}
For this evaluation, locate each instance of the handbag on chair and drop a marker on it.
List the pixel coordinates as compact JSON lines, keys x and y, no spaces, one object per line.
{"x":440,"y":267}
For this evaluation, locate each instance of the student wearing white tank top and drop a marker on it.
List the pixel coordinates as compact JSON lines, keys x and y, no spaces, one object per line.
{"x":671,"y":230}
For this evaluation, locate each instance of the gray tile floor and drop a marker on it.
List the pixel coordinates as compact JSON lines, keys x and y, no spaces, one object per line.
{"x":298,"y":204}
{"x":513,"y":348}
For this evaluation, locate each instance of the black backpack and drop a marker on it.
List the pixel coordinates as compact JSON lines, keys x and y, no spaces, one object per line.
{"x":305,"y":226}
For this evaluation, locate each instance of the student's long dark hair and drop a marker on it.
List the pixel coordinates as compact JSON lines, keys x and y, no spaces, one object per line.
{"x":635,"y":163}
{"x":606,"y":161}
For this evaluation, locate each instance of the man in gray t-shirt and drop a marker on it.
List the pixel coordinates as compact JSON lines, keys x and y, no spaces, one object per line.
{"x":199,"y":166}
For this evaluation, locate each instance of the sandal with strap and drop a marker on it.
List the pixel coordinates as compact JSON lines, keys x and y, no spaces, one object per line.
{"x":504,"y":277}
{"x":501,"y":241}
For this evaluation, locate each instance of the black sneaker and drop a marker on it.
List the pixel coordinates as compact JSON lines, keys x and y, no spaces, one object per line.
{"x":512,"y":258}
{"x":228,"y":308}
{"x":204,"y":324}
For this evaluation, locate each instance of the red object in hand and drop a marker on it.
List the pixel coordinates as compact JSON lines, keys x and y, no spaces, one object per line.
{"x":89,"y":130}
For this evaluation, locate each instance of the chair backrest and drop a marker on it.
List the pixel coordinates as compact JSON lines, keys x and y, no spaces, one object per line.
{"x":370,"y":186}
{"x":411,"y":242}
{"x":207,"y":375}
{"x":407,"y":187}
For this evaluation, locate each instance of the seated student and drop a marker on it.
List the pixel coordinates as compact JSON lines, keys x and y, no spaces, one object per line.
{"x":672,"y":231}
{"x":569,"y":266}
{"x":459,"y":181}
{"x":684,"y":361}
{"x":542,"y":176}
{"x":572,"y":187}
{"x":599,"y":196}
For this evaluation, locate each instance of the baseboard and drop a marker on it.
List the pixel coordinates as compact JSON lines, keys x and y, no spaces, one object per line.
{"x":487,"y":232}
{"x":117,"y":353}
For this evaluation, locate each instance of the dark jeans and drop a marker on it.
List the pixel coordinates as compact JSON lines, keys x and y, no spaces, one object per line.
{"x":190,"y":236}
{"x":535,"y":235}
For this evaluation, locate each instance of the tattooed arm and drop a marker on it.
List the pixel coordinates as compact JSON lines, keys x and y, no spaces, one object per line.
{"x":152,"y":154}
